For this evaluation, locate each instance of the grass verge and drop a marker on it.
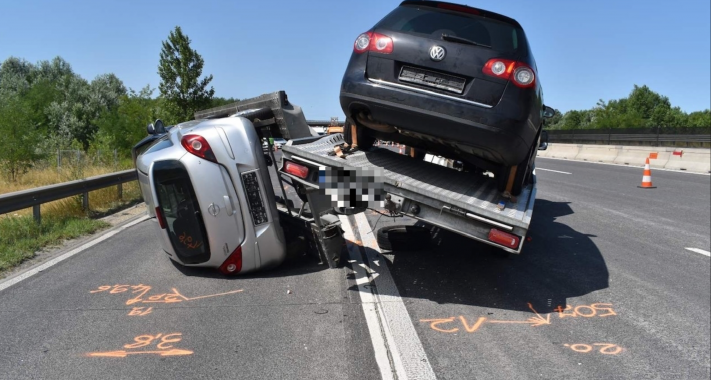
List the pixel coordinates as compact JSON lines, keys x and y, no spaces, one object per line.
{"x":21,"y":237}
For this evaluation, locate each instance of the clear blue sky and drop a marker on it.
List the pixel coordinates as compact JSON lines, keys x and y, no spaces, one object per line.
{"x":585,"y":50}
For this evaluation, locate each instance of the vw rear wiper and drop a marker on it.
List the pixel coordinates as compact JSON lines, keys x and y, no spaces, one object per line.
{"x":447,"y":37}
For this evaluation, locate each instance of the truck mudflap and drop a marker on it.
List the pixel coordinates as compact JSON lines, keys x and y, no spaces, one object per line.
{"x":460,"y":202}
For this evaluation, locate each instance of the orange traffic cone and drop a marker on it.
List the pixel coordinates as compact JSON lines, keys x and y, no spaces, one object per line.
{"x":647,"y":177}
{"x":401,"y":146}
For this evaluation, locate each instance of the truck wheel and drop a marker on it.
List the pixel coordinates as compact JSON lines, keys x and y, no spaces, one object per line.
{"x":363,"y":137}
{"x":523,"y":172}
{"x":404,"y":238}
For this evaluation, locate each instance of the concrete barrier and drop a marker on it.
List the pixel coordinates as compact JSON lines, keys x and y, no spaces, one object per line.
{"x":544,"y":153}
{"x":690,"y":159}
{"x":637,"y":156}
{"x":567,"y":151}
{"x":598,"y":153}
{"x":693,"y":160}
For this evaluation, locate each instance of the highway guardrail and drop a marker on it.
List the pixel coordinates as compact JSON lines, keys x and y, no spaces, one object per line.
{"x":35,"y":197}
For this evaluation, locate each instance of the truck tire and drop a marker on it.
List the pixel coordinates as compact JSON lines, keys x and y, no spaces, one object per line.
{"x":524,"y":170}
{"x":404,"y":238}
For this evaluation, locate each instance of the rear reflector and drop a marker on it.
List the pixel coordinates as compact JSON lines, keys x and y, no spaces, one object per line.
{"x":504,"y":238}
{"x":159,"y":216}
{"x":300,"y":171}
{"x":233,"y":264}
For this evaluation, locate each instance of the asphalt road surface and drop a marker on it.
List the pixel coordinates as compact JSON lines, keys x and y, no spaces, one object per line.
{"x":612,"y":284}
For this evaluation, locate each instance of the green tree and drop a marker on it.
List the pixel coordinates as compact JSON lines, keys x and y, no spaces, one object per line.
{"x":217,"y":101}
{"x":124,"y":126}
{"x":180,"y":69}
{"x":18,"y":137}
{"x":700,"y":119}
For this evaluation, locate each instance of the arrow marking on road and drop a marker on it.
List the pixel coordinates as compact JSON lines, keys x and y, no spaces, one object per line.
{"x":124,"y":353}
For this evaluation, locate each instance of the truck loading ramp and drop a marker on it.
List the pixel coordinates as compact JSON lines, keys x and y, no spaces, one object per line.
{"x":425,"y":182}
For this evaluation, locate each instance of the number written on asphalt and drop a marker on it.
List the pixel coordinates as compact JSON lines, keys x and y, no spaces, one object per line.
{"x":602,"y":348}
{"x":586,"y":311}
{"x":139,"y":295}
{"x":158,"y":344}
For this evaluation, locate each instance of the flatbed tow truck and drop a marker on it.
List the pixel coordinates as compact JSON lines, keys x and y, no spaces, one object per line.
{"x":465,"y":203}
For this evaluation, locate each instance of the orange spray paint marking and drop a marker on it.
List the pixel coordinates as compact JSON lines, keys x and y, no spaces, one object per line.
{"x":476,"y":326}
{"x":533,"y":321}
{"x":605,"y":348}
{"x":141,"y":290}
{"x":609,"y":349}
{"x":435,"y":322}
{"x":164,"y":346}
{"x":140,"y":311}
{"x":124,"y":353}
{"x":586,"y":311}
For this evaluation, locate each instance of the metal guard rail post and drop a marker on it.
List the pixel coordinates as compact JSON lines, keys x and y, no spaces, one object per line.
{"x":35,"y":197}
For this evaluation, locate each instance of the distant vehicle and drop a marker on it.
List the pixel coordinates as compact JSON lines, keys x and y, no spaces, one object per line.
{"x":452,"y":80}
{"x":279,"y":142}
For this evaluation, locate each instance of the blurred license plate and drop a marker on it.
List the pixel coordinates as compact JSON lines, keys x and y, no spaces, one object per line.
{"x":432,"y":79}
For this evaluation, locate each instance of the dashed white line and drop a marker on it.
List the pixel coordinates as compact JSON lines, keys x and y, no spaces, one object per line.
{"x":554,"y":171}
{"x":57,"y":260}
{"x":701,"y":251}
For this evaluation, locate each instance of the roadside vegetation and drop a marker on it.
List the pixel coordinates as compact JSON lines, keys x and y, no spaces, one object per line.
{"x":643,"y":108}
{"x":56,"y":126}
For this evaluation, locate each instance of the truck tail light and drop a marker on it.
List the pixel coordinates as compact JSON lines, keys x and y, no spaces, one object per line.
{"x":197,"y":145}
{"x":300,"y":171}
{"x":517,"y":72}
{"x":159,"y":216}
{"x":504,"y":238}
{"x":233,"y":264}
{"x":371,"y":41}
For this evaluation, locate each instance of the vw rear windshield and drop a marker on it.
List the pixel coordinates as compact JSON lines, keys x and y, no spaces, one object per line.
{"x":431,"y":22}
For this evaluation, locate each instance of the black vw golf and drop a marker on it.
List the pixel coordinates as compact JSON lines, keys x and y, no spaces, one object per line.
{"x":452,"y":80}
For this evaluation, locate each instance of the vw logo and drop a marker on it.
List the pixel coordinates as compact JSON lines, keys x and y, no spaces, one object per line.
{"x":437,"y":53}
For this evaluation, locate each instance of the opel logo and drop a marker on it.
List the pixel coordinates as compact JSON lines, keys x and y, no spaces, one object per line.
{"x":437,"y":53}
{"x":213,"y":209}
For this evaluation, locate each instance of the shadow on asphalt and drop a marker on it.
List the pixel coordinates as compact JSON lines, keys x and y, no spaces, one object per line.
{"x":293,"y":266}
{"x":558,"y":263}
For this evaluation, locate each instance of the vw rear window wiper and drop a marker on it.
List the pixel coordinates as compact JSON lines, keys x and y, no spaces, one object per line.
{"x":462,"y":40}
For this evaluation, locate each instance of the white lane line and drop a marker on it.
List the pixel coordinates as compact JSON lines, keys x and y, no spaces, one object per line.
{"x":701,"y":251}
{"x":368,"y":301}
{"x":622,"y":165}
{"x":6,"y":284}
{"x":404,"y":343}
{"x":554,"y":171}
